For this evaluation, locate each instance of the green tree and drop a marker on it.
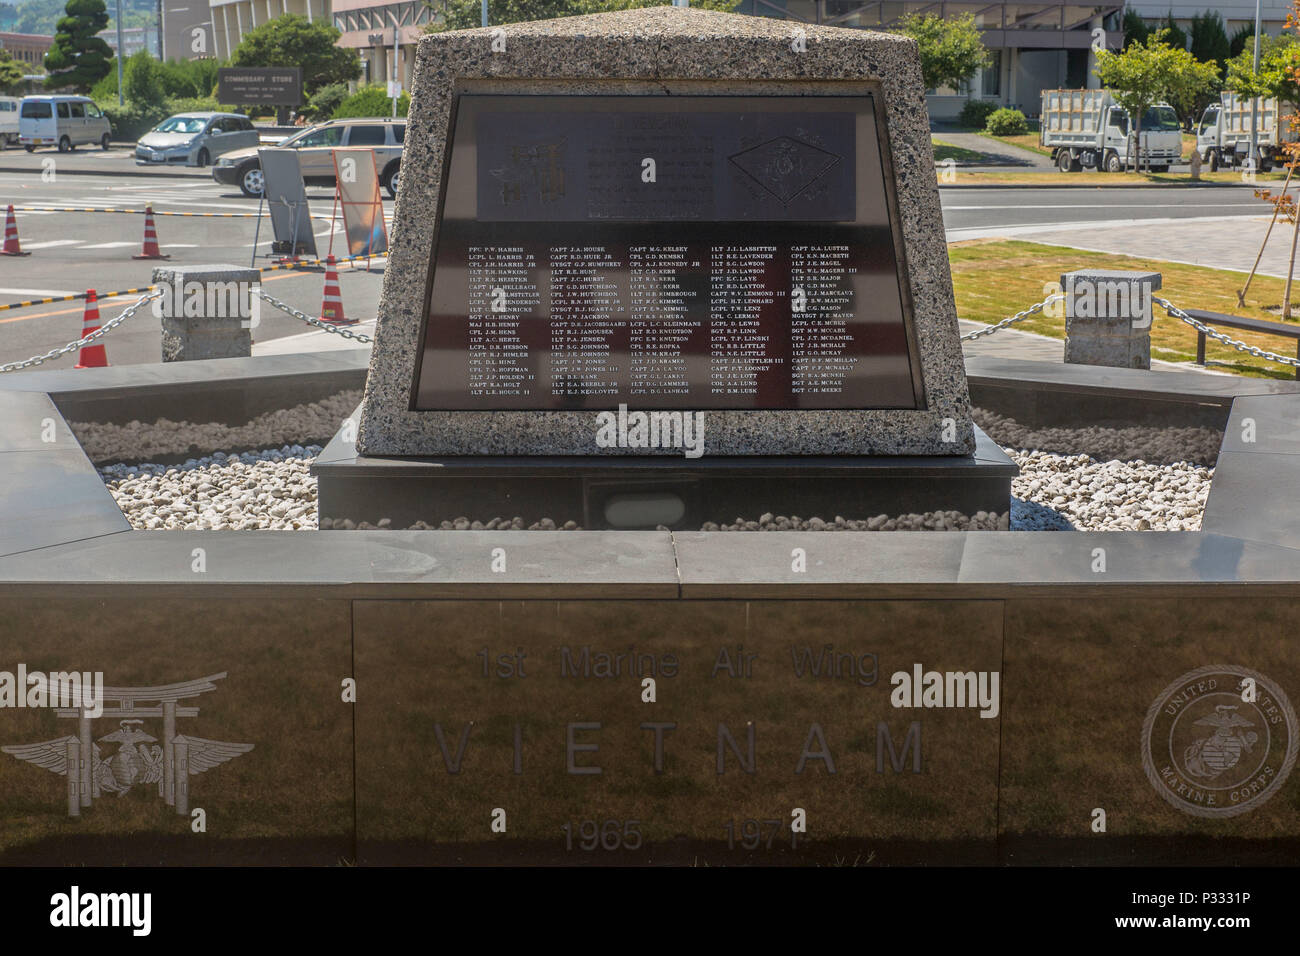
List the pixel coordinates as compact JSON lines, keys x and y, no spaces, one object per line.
{"x":1175,"y":35}
{"x":1209,"y":39}
{"x":1279,"y":57}
{"x":291,"y":40}
{"x":11,"y":73}
{"x":1243,"y":38}
{"x":465,"y":14}
{"x":1192,"y":84}
{"x":142,"y":80}
{"x":1144,"y":74}
{"x":78,"y":58}
{"x":1135,"y":28}
{"x":951,"y":50}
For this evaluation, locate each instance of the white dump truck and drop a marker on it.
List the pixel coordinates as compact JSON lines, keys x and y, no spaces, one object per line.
{"x":1087,"y":129}
{"x":1223,"y":134}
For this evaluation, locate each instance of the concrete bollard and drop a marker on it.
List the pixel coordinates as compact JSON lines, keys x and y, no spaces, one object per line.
{"x":1108,"y":317}
{"x":207,"y":311}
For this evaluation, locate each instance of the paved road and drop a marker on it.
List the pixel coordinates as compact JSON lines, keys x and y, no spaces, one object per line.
{"x":76,"y":251}
{"x":973,"y":213}
{"x":72,"y":252}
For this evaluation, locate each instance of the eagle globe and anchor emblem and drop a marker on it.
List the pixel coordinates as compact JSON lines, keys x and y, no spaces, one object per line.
{"x":130,"y":756}
{"x":1210,"y":756}
{"x":1214,"y":750}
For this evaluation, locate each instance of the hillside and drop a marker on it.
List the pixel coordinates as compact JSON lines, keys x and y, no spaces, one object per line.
{"x":41,"y":16}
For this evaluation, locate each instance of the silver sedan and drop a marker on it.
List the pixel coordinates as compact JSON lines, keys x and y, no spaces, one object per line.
{"x":194,"y":139}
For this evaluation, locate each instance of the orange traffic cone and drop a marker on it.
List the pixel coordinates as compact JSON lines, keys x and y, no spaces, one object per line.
{"x":331,"y":309}
{"x":11,"y":236}
{"x":151,"y":250}
{"x":91,"y":356}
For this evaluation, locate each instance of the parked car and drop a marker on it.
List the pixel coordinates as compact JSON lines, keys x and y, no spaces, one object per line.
{"x":8,"y":120}
{"x":194,"y":139}
{"x":63,"y":121}
{"x":316,"y":143}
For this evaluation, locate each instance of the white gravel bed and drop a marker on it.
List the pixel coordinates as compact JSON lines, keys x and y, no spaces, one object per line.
{"x":268,"y":490}
{"x":274,"y":490}
{"x":139,"y":441}
{"x":1148,"y":443}
{"x":1058,"y":492}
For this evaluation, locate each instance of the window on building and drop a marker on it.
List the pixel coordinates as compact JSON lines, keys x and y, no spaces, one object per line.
{"x":991,"y":80}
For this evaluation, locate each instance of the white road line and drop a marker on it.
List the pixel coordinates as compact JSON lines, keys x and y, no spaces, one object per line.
{"x":36,"y":293}
{"x":111,"y":245}
{"x":50,"y":243}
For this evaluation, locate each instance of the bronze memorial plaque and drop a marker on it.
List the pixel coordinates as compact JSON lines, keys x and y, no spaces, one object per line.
{"x":701,"y":252}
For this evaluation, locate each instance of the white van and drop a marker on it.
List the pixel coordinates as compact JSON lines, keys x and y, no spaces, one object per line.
{"x":8,"y":120}
{"x":63,"y":121}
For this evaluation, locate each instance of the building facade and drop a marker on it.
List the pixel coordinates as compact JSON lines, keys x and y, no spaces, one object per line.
{"x":1236,"y":13}
{"x":29,"y":49}
{"x":231,"y":19}
{"x":134,"y":39}
{"x":1032,"y":46}
{"x":367,"y":27}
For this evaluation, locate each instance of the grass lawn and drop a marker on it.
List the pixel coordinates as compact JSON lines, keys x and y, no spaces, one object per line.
{"x":1027,"y":141}
{"x":1100,"y":180}
{"x":943,"y":151}
{"x":997,"y":278}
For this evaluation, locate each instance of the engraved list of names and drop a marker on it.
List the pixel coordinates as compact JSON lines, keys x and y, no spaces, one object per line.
{"x":666,"y":252}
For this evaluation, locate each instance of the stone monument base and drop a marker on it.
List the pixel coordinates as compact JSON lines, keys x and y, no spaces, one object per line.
{"x":638,"y":493}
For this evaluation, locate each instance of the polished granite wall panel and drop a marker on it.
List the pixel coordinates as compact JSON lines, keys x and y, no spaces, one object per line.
{"x":287,"y":800}
{"x":422,"y":799}
{"x":1081,"y":678}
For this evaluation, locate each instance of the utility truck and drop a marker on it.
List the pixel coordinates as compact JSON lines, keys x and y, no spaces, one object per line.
{"x":1223,"y":134}
{"x":1087,"y":129}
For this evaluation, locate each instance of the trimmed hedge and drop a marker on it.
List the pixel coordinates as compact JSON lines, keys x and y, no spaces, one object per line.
{"x":372,"y":101}
{"x":1005,"y":122}
{"x":976,"y":113}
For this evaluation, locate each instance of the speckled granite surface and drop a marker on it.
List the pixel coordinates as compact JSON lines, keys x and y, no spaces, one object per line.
{"x":666,"y":50}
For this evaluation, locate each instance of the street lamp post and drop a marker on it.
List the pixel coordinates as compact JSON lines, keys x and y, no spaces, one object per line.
{"x":1254,"y":103}
{"x":397,"y":34}
{"x":120,"y":51}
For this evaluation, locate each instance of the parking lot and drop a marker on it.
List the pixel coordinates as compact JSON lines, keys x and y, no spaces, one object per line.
{"x":75,"y":251}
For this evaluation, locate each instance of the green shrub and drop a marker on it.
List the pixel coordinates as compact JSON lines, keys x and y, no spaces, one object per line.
{"x":195,"y":104}
{"x":106,"y":89}
{"x":326,"y":100}
{"x":976,"y":113}
{"x":1005,"y":122}
{"x":142,"y":81}
{"x":372,"y":101}
{"x":132,"y":120}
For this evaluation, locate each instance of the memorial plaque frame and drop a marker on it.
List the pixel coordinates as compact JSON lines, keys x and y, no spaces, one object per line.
{"x":869,"y":96}
{"x":675,"y":51}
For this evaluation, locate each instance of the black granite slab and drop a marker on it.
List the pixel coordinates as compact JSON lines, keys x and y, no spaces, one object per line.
{"x":443,"y":564}
{"x":1275,"y":430}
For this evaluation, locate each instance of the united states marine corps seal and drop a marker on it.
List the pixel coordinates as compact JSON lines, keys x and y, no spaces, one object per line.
{"x":1219,"y":741}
